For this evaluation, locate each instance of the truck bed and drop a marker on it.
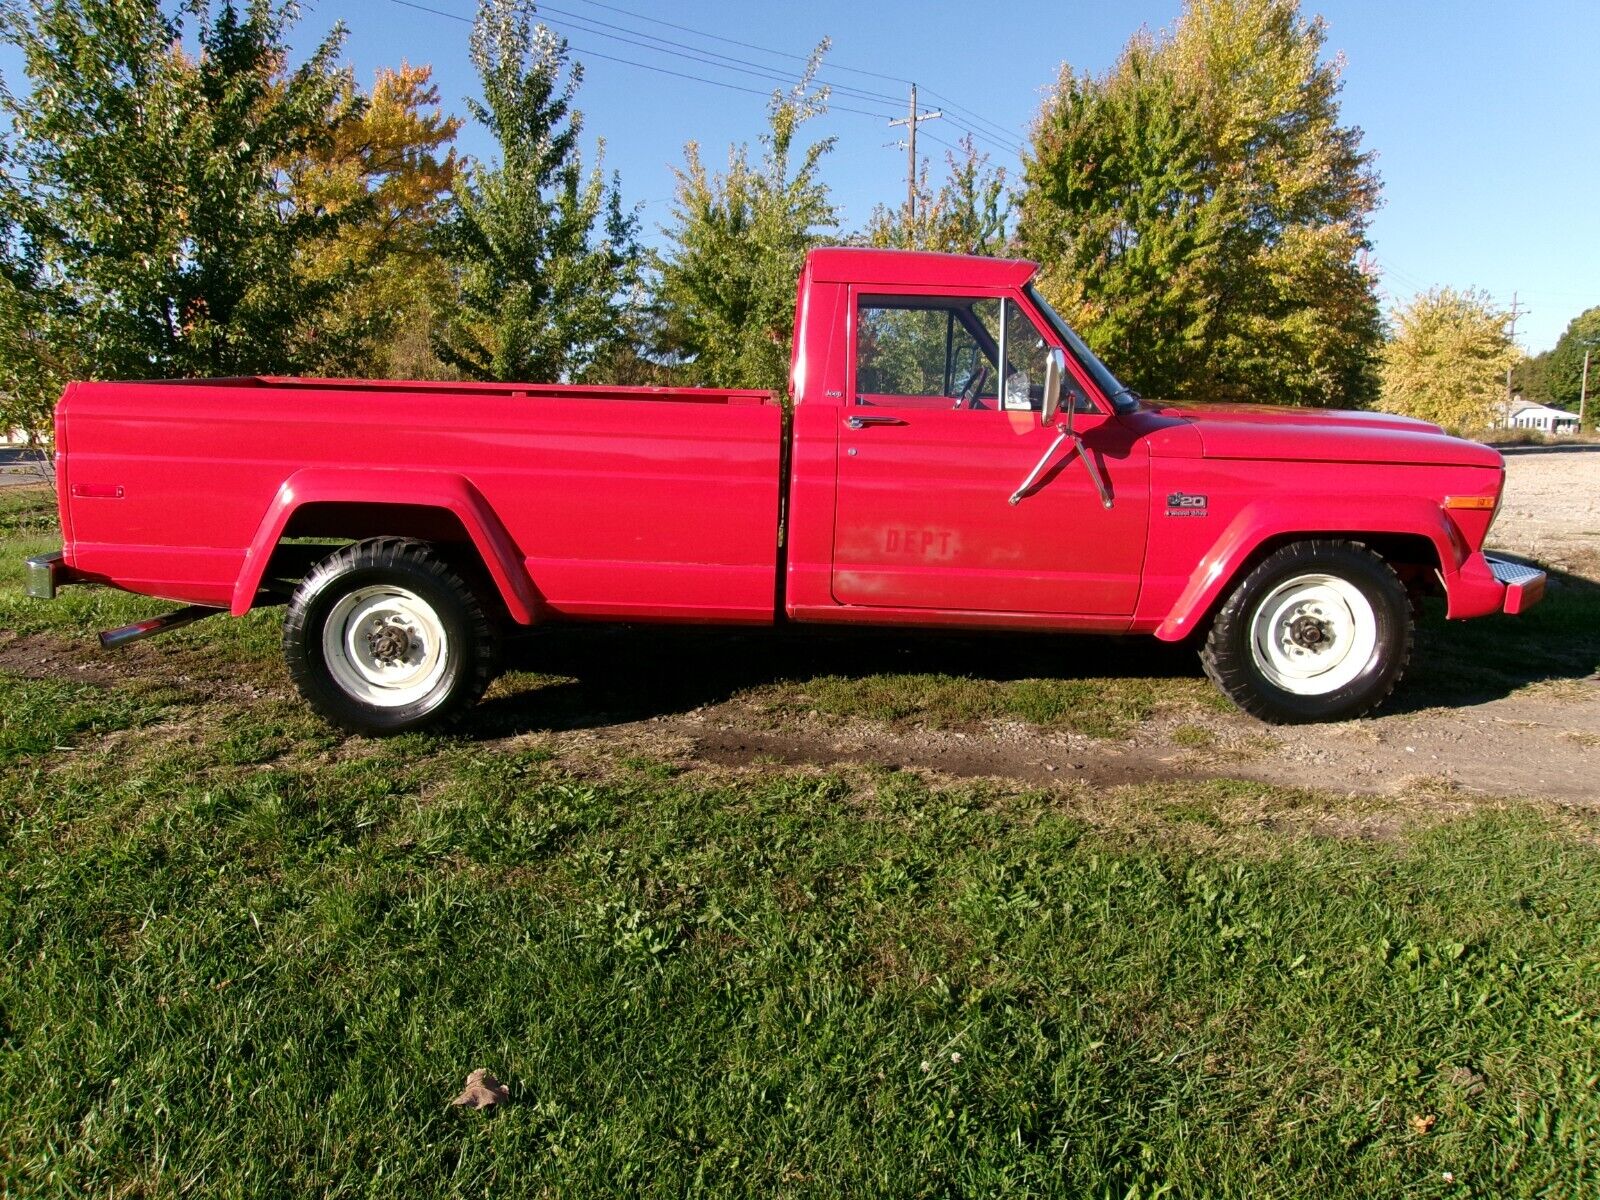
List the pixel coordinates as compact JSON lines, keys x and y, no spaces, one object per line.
{"x":657,"y":503}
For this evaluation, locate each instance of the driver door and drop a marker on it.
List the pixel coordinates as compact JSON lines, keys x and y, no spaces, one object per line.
{"x":936,"y":439}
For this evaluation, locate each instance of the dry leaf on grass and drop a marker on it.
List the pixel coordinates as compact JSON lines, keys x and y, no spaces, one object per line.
{"x":483,"y":1090}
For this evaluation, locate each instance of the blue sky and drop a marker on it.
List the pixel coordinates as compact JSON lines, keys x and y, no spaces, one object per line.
{"x":1484,"y":115}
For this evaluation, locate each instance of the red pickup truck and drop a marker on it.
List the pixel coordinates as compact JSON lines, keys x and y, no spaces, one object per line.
{"x":954,"y":456}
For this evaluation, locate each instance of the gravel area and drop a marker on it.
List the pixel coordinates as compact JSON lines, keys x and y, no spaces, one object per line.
{"x":1551,"y":509}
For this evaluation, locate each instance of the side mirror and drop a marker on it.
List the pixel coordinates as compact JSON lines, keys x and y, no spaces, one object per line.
{"x":1055,"y":366}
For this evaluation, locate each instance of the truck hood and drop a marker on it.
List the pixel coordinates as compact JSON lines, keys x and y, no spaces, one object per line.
{"x":1261,"y":431}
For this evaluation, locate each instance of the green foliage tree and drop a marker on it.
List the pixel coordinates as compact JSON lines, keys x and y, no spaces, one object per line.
{"x":1201,"y":213}
{"x":146,"y":185}
{"x":970,"y":213}
{"x":31,"y":369}
{"x":726,"y":283}
{"x":1564,"y":370}
{"x":540,"y":249}
{"x":1530,"y":378}
{"x":1447,"y":358}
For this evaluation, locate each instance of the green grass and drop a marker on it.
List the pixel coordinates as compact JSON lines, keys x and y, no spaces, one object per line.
{"x":246,"y":956}
{"x":252,"y":977}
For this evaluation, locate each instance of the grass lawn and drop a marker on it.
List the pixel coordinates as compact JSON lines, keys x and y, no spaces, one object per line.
{"x":247,"y":956}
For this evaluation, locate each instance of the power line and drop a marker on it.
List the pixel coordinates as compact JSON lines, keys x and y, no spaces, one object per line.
{"x":877,"y":116}
{"x":694,"y":51}
{"x":749,"y":70}
{"x":1000,"y":135}
{"x":994,"y":133}
{"x":693,"y":54}
{"x":735,"y":42}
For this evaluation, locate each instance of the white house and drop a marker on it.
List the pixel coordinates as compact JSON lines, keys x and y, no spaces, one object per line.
{"x":1525,"y":414}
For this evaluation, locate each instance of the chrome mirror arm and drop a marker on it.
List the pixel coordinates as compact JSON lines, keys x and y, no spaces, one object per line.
{"x":1094,"y":472}
{"x":1089,"y":465}
{"x":1038,"y":468}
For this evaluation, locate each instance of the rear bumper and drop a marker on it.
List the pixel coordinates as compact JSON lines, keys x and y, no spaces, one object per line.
{"x":47,"y":573}
{"x":1524,"y":585}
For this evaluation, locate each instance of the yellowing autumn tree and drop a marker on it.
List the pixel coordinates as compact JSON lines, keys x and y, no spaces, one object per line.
{"x":390,"y":162}
{"x":1447,"y":359}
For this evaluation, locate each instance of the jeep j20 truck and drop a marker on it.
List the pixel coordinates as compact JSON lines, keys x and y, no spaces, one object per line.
{"x":953,"y":456}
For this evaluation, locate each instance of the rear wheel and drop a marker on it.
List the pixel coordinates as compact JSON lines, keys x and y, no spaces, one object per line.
{"x":1319,"y":631}
{"x":384,"y":636}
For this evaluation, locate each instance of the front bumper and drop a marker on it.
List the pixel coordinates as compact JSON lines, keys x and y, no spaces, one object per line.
{"x":46,"y":574}
{"x":1524,"y":585}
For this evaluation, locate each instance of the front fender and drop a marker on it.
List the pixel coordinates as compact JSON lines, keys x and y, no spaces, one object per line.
{"x":1267,"y":519}
{"x":429,"y":489}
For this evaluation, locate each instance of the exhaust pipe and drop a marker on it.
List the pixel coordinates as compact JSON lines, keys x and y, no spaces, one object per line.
{"x":139,"y":630}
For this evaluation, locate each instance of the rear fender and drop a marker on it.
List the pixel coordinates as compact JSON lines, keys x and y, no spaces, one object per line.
{"x":1270,"y":520}
{"x":427,"y":489}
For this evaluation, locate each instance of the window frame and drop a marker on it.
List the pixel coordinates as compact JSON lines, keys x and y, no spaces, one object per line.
{"x":860,"y":293}
{"x":974,"y":328}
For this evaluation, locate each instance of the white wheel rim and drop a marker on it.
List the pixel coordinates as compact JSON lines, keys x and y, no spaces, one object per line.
{"x":384,"y":646}
{"x":1313,"y":634}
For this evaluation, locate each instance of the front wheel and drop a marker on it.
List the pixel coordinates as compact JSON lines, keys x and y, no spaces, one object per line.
{"x":384,"y":636}
{"x":1319,"y":631}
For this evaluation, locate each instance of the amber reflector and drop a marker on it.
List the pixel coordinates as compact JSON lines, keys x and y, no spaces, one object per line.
{"x":1469,"y":501}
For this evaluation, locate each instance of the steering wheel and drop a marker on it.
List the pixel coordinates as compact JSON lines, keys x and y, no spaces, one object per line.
{"x":973,"y":385}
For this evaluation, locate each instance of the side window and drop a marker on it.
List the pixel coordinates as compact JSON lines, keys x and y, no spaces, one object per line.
{"x":1026,"y":351}
{"x":927,"y":351}
{"x":1025,"y":359}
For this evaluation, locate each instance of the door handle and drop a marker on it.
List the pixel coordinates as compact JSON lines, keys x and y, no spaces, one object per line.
{"x":863,"y":422}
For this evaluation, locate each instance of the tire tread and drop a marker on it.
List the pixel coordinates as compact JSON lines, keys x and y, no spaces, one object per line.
{"x":1233,"y":673}
{"x":401,"y":556}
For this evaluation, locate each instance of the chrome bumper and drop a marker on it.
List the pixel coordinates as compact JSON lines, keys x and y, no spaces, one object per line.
{"x":1524,"y":584}
{"x":46,"y":574}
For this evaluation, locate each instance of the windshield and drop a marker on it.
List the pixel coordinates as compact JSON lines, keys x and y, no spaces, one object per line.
{"x":1123,"y":399}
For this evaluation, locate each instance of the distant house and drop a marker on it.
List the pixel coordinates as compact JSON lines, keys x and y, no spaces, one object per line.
{"x":1525,"y":414}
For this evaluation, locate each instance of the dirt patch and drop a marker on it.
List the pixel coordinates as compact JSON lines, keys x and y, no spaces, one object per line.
{"x":1529,"y":745}
{"x":39,"y":656}
{"x":189,"y":668}
{"x":1039,"y":757}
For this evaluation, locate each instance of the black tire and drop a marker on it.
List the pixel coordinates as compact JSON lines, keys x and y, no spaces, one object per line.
{"x":451,"y":616}
{"x":1245,"y":668}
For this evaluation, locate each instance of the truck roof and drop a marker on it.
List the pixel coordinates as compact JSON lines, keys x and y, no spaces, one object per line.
{"x":855,"y":264}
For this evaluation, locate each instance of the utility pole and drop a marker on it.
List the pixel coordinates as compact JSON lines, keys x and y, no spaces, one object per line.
{"x":1583,"y":390}
{"x":910,"y":120}
{"x":1515,"y":313}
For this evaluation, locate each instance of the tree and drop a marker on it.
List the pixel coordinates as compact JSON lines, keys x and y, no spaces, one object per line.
{"x":147,"y":185}
{"x":540,"y":250}
{"x":389,"y":162}
{"x":1202,"y":214}
{"x":1530,"y":378}
{"x":32,"y":372}
{"x":1564,"y":370}
{"x":969,"y":214}
{"x":727,"y":281}
{"x":1447,"y":359}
